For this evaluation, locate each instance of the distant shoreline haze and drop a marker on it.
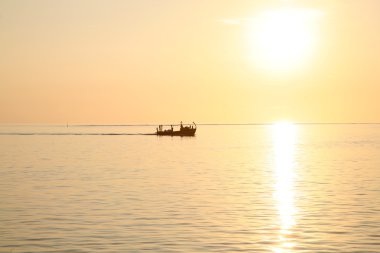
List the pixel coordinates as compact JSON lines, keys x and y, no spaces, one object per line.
{"x":200,"y":124}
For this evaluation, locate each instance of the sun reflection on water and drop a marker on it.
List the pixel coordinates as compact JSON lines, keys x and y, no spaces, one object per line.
{"x":284,"y":144}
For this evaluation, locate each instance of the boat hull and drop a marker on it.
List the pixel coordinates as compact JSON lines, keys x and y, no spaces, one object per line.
{"x":183,"y":132}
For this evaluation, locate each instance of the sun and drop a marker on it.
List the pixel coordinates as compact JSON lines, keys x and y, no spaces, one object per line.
{"x":283,"y":39}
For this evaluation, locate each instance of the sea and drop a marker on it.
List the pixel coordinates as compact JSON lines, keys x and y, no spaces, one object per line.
{"x":278,"y":188}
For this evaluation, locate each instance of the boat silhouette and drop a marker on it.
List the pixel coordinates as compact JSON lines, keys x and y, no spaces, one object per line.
{"x":184,"y":130}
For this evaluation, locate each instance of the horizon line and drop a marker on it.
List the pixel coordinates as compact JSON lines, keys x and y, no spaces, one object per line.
{"x":201,"y":124}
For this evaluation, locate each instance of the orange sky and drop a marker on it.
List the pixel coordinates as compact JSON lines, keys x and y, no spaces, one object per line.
{"x":115,"y":62}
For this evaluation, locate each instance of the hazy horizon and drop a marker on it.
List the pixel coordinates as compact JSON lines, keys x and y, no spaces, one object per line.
{"x":200,"y":123}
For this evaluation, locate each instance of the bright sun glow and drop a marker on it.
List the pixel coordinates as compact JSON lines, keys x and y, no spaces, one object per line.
{"x":284,"y":38}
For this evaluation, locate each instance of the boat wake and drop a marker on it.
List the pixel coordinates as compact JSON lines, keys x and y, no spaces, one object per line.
{"x":77,"y":134}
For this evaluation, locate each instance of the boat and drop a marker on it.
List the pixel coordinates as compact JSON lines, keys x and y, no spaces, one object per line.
{"x":184,"y":130}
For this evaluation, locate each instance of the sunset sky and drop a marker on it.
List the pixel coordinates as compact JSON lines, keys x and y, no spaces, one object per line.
{"x":215,"y":61}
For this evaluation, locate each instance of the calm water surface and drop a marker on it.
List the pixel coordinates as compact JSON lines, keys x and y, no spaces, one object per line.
{"x":282,"y":188}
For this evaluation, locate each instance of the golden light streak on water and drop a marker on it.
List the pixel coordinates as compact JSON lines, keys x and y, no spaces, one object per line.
{"x":284,"y":144}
